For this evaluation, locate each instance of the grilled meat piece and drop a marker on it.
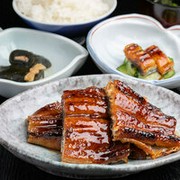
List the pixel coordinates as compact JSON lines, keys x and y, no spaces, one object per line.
{"x":137,"y":153}
{"x":136,"y":121}
{"x":86,"y":129}
{"x":140,"y":59}
{"x":164,"y":64}
{"x":45,"y":126}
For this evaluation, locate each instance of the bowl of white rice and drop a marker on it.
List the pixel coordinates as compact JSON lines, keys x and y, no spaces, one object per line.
{"x":66,"y":17}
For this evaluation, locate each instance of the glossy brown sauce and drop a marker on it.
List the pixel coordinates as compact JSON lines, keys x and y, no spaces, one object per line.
{"x":134,"y":117}
{"x":140,"y":58}
{"x":47,"y":121}
{"x":87,"y":134}
{"x":164,"y":64}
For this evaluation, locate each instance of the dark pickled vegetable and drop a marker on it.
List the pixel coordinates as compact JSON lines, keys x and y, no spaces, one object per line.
{"x":27,"y":59}
{"x":15,"y":73}
{"x":25,"y":67}
{"x":22,"y":58}
{"x":42,"y":60}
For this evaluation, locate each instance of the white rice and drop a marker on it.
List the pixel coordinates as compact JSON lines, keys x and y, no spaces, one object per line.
{"x":62,"y":11}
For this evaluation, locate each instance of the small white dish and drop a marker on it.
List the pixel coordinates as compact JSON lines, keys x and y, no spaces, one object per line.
{"x":106,"y":41}
{"x":66,"y":29}
{"x":66,"y":56}
{"x":13,"y":133}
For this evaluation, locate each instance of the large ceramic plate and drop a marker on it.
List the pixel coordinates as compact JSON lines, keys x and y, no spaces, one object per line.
{"x":14,"y":111}
{"x":106,"y":41}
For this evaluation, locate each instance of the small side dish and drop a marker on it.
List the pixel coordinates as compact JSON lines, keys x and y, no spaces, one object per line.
{"x":25,"y":66}
{"x":106,"y":42}
{"x":149,"y":64}
{"x":61,"y":56}
{"x":104,"y":126}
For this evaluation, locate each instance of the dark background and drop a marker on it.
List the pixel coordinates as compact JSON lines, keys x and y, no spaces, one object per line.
{"x":12,"y":168}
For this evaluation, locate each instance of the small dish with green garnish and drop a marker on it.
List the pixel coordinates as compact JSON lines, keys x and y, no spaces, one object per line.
{"x":106,"y":42}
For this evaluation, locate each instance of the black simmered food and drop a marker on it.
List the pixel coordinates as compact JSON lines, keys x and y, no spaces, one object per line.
{"x":22,"y":58}
{"x":16,"y":73}
{"x":24,"y":66}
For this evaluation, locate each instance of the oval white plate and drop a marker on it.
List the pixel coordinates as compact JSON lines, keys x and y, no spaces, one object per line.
{"x":65,"y":55}
{"x":14,"y":111}
{"x":106,"y":41}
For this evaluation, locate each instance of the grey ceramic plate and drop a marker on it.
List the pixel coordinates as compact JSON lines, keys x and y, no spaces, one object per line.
{"x":14,"y":111}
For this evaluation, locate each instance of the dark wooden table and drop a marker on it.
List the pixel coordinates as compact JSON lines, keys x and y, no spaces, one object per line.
{"x":12,"y":168}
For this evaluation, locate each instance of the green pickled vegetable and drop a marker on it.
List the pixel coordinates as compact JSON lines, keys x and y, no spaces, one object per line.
{"x":152,"y":76}
{"x":131,"y":69}
{"x":128,"y":68}
{"x":122,"y":68}
{"x":169,"y":74}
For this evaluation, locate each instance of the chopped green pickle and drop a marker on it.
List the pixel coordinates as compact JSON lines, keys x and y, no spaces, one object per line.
{"x":128,"y":68}
{"x":122,"y":68}
{"x":169,"y":74}
{"x":131,"y":69}
{"x":153,"y":76}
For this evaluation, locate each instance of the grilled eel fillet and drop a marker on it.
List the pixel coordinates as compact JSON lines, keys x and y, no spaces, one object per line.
{"x":45,"y":126}
{"x":140,"y":58}
{"x":164,"y":64}
{"x":136,"y":121}
{"x":86,"y":129}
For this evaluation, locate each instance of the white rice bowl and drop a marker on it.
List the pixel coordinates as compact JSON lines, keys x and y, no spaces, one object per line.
{"x":71,"y":18}
{"x":62,"y":11}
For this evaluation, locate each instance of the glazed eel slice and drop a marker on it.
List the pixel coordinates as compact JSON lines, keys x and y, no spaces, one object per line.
{"x":136,"y":121}
{"x":164,"y":63}
{"x":86,"y":129}
{"x":45,"y":126}
{"x":140,"y":59}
